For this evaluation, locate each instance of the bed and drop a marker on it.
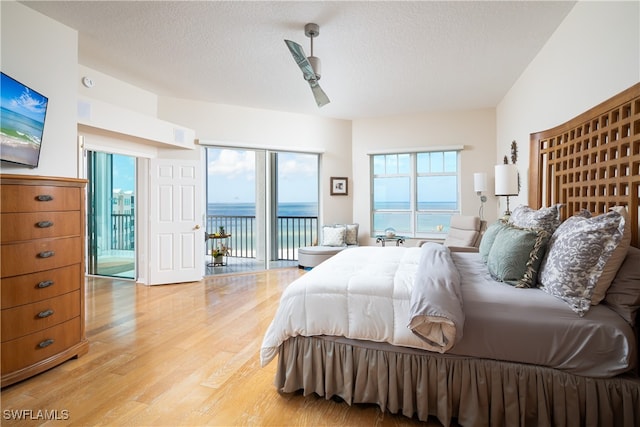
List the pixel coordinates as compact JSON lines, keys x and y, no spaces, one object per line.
{"x":468,"y":336}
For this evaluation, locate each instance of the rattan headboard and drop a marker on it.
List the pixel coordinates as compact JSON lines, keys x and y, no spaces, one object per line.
{"x":592,"y":161}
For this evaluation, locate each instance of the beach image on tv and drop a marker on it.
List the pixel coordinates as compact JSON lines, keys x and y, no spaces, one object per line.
{"x":22,"y":114}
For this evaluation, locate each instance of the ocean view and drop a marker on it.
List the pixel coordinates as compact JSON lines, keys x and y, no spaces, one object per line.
{"x":311,"y":209}
{"x":297,"y":226}
{"x":423,"y":206}
{"x":249,"y":209}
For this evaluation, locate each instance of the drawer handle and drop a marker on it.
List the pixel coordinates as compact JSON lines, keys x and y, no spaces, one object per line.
{"x":45,"y":284}
{"x":44,"y":198}
{"x":45,"y":343}
{"x":46,"y":254}
{"x":45,"y":313}
{"x":44,"y":224}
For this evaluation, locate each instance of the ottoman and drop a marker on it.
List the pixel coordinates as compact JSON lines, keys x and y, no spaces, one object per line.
{"x":311,"y":256}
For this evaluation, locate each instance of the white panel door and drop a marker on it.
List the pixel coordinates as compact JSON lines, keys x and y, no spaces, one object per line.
{"x":176,"y":237}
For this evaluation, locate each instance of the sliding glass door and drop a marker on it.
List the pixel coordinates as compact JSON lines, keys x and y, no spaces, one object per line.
{"x":295,"y":207}
{"x":235,"y":210}
{"x":266,"y":203}
{"x":111,"y":214}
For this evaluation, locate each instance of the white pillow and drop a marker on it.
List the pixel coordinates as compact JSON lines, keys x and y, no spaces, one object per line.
{"x":333,"y":236}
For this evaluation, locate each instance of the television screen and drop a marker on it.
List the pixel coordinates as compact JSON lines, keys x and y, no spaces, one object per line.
{"x":21,"y":121}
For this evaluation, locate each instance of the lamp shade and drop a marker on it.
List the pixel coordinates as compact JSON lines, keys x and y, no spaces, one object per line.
{"x":479,"y":182}
{"x":506,"y":180}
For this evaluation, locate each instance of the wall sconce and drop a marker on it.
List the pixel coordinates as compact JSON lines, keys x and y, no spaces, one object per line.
{"x":480,"y":185}
{"x":506,"y":182}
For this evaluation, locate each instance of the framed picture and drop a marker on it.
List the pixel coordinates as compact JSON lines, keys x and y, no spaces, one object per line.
{"x":339,"y":186}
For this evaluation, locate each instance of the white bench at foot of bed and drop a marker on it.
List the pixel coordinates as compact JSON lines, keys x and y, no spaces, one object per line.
{"x":311,"y":256}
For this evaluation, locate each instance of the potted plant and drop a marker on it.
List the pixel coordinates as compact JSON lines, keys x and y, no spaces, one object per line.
{"x":219,"y":253}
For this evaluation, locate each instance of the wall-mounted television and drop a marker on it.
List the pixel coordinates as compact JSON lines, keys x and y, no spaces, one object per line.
{"x":22,"y":115}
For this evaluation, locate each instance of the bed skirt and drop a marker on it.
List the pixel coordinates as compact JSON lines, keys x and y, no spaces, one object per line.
{"x":478,"y":392}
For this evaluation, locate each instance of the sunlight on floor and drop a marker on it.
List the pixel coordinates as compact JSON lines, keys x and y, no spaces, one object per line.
{"x":244,"y":265}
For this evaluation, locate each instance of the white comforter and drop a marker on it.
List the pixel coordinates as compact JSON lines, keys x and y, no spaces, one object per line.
{"x":361,"y":293}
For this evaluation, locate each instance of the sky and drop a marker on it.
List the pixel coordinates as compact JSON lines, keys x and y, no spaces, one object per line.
{"x":17,"y":97}
{"x":124,"y":172}
{"x":232,"y":176}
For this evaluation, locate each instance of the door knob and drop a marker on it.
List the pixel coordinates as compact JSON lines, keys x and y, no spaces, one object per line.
{"x":197,"y":226}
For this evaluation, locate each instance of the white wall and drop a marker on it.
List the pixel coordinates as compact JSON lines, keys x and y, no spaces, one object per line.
{"x":43,"y":54}
{"x":593,"y":55}
{"x":257,"y":128}
{"x":474,"y":129}
{"x":113,"y":91}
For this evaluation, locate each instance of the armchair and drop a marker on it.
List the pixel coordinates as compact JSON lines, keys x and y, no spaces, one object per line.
{"x":465,"y":233}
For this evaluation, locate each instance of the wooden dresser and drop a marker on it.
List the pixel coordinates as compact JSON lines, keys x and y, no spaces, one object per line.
{"x":41,"y":273}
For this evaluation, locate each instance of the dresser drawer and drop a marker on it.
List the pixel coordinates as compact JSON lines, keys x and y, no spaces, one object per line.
{"x":26,"y":319}
{"x":37,"y":225}
{"x":27,"y":350}
{"x":39,"y":255}
{"x":19,"y":290}
{"x":34,"y":198}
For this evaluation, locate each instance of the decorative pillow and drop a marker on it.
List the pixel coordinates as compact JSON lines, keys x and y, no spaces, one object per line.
{"x":351,"y":236}
{"x":516,"y":254}
{"x":488,"y":238}
{"x":616,"y":259}
{"x":333,"y":236}
{"x":577,"y":254}
{"x":546,"y":218}
{"x":623,"y":296}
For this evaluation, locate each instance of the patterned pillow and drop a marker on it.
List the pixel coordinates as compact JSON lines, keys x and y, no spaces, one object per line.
{"x":351,"y":236}
{"x":546,"y":218}
{"x":577,"y":254}
{"x":333,"y":236}
{"x":516,"y":254}
{"x":489,"y":237}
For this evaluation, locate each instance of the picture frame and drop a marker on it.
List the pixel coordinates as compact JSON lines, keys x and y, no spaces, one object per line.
{"x":339,"y":186}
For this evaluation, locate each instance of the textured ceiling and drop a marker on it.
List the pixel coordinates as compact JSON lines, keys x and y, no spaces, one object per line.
{"x":378,"y":58}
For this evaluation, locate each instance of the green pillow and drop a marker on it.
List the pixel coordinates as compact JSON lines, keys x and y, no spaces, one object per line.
{"x":488,"y":238}
{"x":516,"y":255}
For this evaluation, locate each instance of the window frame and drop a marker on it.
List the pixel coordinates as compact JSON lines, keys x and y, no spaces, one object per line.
{"x":414,"y":175}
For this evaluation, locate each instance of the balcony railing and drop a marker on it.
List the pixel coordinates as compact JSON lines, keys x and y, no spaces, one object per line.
{"x":295,"y":232}
{"x":292,"y":232}
{"x":123,"y":232}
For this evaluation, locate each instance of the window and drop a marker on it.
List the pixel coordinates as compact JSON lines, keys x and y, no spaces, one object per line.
{"x":415,"y":193}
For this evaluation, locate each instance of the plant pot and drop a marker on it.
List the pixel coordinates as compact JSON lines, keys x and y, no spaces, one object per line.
{"x":218,"y":259}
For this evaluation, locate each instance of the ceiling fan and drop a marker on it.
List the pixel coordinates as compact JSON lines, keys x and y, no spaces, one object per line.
{"x":310,"y":66}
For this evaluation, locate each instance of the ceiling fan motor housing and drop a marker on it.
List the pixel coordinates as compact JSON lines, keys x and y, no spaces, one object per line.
{"x":316,"y":65}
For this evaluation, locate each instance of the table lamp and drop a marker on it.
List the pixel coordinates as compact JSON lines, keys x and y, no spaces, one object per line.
{"x":506,"y":182}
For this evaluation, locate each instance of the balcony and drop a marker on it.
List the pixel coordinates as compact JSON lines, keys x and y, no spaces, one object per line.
{"x":292,"y":232}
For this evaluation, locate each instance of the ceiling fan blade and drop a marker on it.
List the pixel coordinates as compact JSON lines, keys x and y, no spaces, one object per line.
{"x":321,"y":98}
{"x":301,"y":59}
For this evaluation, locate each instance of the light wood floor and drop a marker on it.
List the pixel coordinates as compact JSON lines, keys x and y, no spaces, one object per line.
{"x":183,"y":354}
